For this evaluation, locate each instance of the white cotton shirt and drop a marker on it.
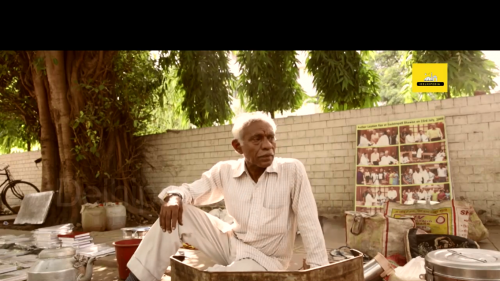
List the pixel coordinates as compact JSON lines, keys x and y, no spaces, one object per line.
{"x":431,"y":177}
{"x":417,"y":178}
{"x":364,"y":161}
{"x":442,"y":172}
{"x":383,"y":141}
{"x":440,"y":156}
{"x":368,"y":200}
{"x":392,"y":194}
{"x":419,"y":153}
{"x":421,"y":195}
{"x":266,"y":214}
{"x":409,"y":139}
{"x":386,"y":160}
{"x":363,"y":141}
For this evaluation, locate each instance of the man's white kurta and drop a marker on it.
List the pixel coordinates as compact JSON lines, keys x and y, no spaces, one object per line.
{"x":266,"y":214}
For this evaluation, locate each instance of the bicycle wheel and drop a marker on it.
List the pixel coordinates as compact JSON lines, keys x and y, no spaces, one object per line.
{"x":14,"y":193}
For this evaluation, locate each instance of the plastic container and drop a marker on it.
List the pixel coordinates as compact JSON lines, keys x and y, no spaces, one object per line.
{"x":125,"y":249}
{"x":93,"y":217}
{"x":116,"y":216}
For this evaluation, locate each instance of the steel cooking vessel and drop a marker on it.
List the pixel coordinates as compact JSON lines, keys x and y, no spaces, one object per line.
{"x":135,"y":232}
{"x":461,"y":265}
{"x":57,"y":265}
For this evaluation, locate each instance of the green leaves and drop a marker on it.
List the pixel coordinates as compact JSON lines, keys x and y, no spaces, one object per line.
{"x":205,"y":82}
{"x":268,"y":81}
{"x":468,"y":71}
{"x":343,"y":80}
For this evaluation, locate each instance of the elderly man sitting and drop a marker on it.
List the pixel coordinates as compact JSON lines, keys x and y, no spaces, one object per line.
{"x":268,"y":197}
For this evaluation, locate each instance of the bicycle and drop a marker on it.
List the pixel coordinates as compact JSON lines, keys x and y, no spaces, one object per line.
{"x":13,"y":190}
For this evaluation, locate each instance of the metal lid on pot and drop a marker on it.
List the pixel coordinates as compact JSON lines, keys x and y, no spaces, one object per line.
{"x":468,"y":264}
{"x":57,"y":253}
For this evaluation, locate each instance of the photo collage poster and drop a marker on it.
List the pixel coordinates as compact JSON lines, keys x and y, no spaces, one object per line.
{"x":401,"y":161}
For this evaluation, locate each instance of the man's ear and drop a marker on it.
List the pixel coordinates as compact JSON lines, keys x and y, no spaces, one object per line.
{"x":237,"y":146}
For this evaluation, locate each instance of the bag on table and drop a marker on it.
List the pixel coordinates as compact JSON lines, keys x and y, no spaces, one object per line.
{"x":418,"y":245}
{"x":449,"y":217}
{"x":378,"y":234}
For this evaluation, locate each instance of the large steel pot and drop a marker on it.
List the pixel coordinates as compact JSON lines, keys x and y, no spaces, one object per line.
{"x":461,"y":265}
{"x":57,"y":265}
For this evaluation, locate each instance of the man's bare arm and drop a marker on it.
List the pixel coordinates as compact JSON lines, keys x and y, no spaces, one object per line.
{"x":204,"y":191}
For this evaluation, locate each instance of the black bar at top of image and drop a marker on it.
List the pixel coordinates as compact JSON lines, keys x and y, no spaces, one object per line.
{"x":430,"y":84}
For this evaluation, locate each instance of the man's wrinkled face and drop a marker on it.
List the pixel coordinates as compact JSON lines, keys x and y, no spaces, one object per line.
{"x":259,"y":144}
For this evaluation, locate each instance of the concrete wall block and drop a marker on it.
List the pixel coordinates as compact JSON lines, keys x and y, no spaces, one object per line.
{"x":474,"y":119}
{"x":319,"y":133}
{"x":324,"y":116}
{"x":488,"y":117}
{"x":474,"y":128}
{"x":475,"y":109}
{"x":375,"y":111}
{"x":473,"y":101}
{"x":300,"y":127}
{"x":317,"y":125}
{"x":460,"y":102}
{"x":433,"y":105}
{"x":447,"y":111}
{"x":410,"y":107}
{"x":336,"y":123}
{"x":422,"y":114}
{"x":448,"y":103}
{"x":486,"y":99}
{"x":422,"y":106}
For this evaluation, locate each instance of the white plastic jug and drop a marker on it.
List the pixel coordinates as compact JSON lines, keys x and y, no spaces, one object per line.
{"x":116,"y":216}
{"x":93,"y":217}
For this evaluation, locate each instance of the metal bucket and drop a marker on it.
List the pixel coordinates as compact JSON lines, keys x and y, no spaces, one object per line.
{"x":461,"y":265}
{"x":349,"y":269}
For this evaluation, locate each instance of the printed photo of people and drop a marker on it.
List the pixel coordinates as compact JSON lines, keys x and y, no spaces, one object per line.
{"x":424,"y":174}
{"x":378,"y":137}
{"x":372,"y":199}
{"x":422,"y":133}
{"x":377,"y":176}
{"x":378,"y":156}
{"x":423,"y":152}
{"x":434,"y":192}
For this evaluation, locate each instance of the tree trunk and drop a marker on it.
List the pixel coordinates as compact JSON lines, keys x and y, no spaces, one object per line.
{"x":56,"y":74}
{"x":28,"y":143}
{"x":272,"y":114}
{"x":48,"y":139}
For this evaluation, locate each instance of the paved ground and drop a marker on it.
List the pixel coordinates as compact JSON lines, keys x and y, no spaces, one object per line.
{"x":106,"y":268}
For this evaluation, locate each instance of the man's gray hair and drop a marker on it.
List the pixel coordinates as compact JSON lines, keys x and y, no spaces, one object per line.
{"x":244,"y":119}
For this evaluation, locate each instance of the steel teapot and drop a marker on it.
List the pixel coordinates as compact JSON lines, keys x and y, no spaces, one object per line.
{"x":58,"y":265}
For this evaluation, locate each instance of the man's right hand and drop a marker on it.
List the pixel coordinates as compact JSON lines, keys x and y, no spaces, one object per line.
{"x":171,"y":213}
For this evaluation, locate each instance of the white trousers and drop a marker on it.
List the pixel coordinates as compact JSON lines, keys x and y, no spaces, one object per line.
{"x":201,"y":230}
